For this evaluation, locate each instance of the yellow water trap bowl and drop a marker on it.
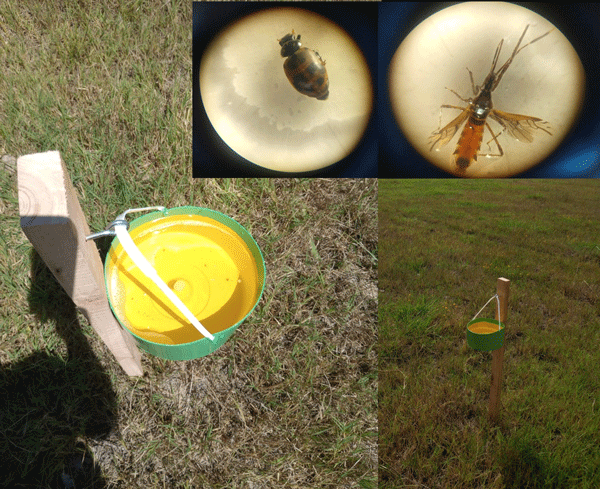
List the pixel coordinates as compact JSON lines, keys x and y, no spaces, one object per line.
{"x":211,"y":263}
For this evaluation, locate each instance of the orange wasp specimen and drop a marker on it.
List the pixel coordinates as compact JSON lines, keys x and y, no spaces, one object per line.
{"x":518,"y":126}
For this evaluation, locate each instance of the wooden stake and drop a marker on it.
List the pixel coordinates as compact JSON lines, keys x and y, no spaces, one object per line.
{"x":502,"y":289}
{"x":52,"y":219}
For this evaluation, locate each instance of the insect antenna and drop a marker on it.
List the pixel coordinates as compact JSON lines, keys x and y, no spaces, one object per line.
{"x":516,"y":51}
{"x":496,"y":56}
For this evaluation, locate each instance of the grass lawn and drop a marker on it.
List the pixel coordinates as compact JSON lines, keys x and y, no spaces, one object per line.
{"x":291,"y":399}
{"x":442,"y":245}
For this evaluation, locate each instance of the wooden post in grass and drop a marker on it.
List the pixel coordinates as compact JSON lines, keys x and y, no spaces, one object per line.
{"x":52,"y":219}
{"x":502,"y":289}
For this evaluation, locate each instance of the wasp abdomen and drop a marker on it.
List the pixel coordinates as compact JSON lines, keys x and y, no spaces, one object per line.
{"x":469,"y":143}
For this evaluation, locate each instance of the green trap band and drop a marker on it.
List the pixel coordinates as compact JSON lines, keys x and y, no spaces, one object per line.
{"x":486,"y":341}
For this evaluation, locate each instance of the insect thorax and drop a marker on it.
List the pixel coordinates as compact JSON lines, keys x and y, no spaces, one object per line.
{"x":482,"y":105}
{"x":481,"y":112}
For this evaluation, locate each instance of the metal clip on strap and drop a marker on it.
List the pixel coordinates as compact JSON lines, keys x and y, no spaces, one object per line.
{"x":119,"y":229}
{"x":121,"y":221}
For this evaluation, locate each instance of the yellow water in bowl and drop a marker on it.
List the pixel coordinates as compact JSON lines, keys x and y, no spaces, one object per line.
{"x":206,"y":264}
{"x":483,"y":328}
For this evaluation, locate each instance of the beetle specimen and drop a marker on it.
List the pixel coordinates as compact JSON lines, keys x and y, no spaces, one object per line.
{"x":304,"y":68}
{"x":520,"y":127}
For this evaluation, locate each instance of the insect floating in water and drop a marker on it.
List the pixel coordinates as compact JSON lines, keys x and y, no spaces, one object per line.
{"x":304,"y":67}
{"x":520,"y":127}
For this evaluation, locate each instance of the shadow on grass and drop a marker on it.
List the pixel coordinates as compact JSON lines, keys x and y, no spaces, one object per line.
{"x":49,"y":405}
{"x":524,"y":467}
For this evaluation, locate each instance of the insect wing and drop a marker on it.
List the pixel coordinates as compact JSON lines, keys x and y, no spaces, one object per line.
{"x":444,"y":135}
{"x":520,"y":127}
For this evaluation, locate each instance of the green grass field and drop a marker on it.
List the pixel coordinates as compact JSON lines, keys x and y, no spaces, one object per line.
{"x":291,"y":399}
{"x":442,"y":246}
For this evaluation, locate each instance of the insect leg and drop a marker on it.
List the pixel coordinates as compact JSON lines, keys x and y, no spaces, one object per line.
{"x":494,"y":138}
{"x":467,"y":100}
{"x":317,"y":53}
{"x":447,"y":107}
{"x":475,"y":88}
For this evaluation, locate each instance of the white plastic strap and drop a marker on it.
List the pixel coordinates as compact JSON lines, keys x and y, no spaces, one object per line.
{"x":144,"y":265}
{"x":498,"y":302}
